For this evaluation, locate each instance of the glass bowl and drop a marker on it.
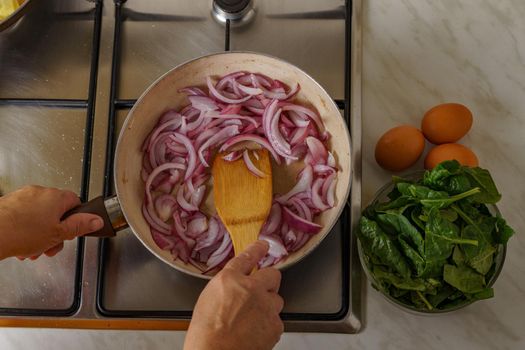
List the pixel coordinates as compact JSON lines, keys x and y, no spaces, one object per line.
{"x":381,"y":196}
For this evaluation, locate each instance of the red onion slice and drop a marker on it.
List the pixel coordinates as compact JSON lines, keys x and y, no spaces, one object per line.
{"x":298,"y":223}
{"x":215,"y":93}
{"x":203,"y":103}
{"x":249,"y":164}
{"x":219,"y":137}
{"x":251,"y":138}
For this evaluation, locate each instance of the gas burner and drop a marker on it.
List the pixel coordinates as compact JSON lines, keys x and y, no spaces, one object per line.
{"x":236,"y":11}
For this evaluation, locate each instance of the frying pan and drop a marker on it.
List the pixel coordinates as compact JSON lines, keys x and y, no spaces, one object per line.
{"x":15,"y":16}
{"x":125,"y":208}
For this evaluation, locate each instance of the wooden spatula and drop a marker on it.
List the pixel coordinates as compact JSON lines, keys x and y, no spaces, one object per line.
{"x":243,"y":200}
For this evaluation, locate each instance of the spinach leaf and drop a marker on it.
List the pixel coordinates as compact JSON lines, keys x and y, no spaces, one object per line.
{"x":377,"y":243}
{"x":481,"y":178}
{"x":414,"y":215}
{"x":441,"y":296}
{"x":445,"y":202}
{"x":479,"y":257}
{"x":502,"y":231}
{"x":420,"y":192}
{"x":464,"y":278}
{"x":486,"y":293}
{"x":417,"y":261}
{"x":458,"y":257}
{"x":400,"y":283}
{"x":447,"y":176}
{"x":402,"y":226}
{"x":449,"y":214}
{"x":440,"y":236}
{"x":398,"y":205}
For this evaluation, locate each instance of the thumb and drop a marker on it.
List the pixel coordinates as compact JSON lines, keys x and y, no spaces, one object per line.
{"x":246,"y":261}
{"x":80,"y":224}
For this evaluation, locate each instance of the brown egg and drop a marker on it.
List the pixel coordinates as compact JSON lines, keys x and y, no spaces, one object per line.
{"x":449,"y":151}
{"x":446,"y":123}
{"x":399,"y":148}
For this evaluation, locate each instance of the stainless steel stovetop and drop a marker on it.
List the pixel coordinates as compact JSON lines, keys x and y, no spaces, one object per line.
{"x":72,"y":69}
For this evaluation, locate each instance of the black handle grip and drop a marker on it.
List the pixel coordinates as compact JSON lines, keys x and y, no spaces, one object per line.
{"x":95,"y":206}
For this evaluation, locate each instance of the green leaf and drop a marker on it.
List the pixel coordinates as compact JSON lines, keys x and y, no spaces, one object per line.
{"x":399,"y":282}
{"x":449,"y":214}
{"x":417,"y":261}
{"x":447,"y":176}
{"x":486,"y":293}
{"x":402,"y":226}
{"x":445,"y":202}
{"x":376,"y":242}
{"x":441,"y":296}
{"x":502,"y":231}
{"x":420,"y":192}
{"x":481,"y":178}
{"x":480,"y":257}
{"x":458,"y":256}
{"x":464,"y":278}
{"x":440,"y":237}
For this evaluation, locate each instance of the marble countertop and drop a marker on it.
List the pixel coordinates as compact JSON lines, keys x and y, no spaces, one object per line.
{"x":416,"y":54}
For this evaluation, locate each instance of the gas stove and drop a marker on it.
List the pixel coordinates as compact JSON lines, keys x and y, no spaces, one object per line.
{"x":71,"y":71}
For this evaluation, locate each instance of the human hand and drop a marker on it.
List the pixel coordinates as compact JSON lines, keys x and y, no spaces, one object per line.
{"x":30,"y":222}
{"x":237,"y":310}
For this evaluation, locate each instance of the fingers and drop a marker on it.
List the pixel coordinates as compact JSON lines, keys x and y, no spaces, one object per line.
{"x":247,"y":260}
{"x":70,"y":200}
{"x":54,"y":250}
{"x":277,"y":302}
{"x":270,"y":278}
{"x":79,"y":225}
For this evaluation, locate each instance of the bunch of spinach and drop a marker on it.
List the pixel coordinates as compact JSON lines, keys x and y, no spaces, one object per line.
{"x":433,"y":244}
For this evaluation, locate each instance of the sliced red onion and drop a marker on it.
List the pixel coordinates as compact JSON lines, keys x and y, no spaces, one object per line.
{"x":298,"y":223}
{"x":251,"y":138}
{"x":274,"y":219}
{"x":164,"y":242}
{"x":228,"y":79}
{"x":183,"y":202}
{"x":241,"y":107}
{"x":192,"y":90}
{"x":221,"y":253}
{"x":277,"y":249}
{"x":316,"y":196}
{"x":231,"y":116}
{"x":302,"y":209}
{"x":232,"y":156}
{"x":219,"y":137}
{"x":299,"y":135}
{"x":308,"y":112}
{"x":192,"y":155}
{"x":215,"y":93}
{"x":304,"y":184}
{"x":173,"y":123}
{"x":252,"y":167}
{"x":249,"y":90}
{"x":155,"y":223}
{"x":197,"y":225}
{"x":165,"y":205}
{"x":203,"y":103}
{"x":317,"y":150}
{"x":212,"y":236}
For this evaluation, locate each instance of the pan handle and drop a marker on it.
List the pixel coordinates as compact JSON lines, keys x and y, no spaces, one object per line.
{"x":108,"y":209}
